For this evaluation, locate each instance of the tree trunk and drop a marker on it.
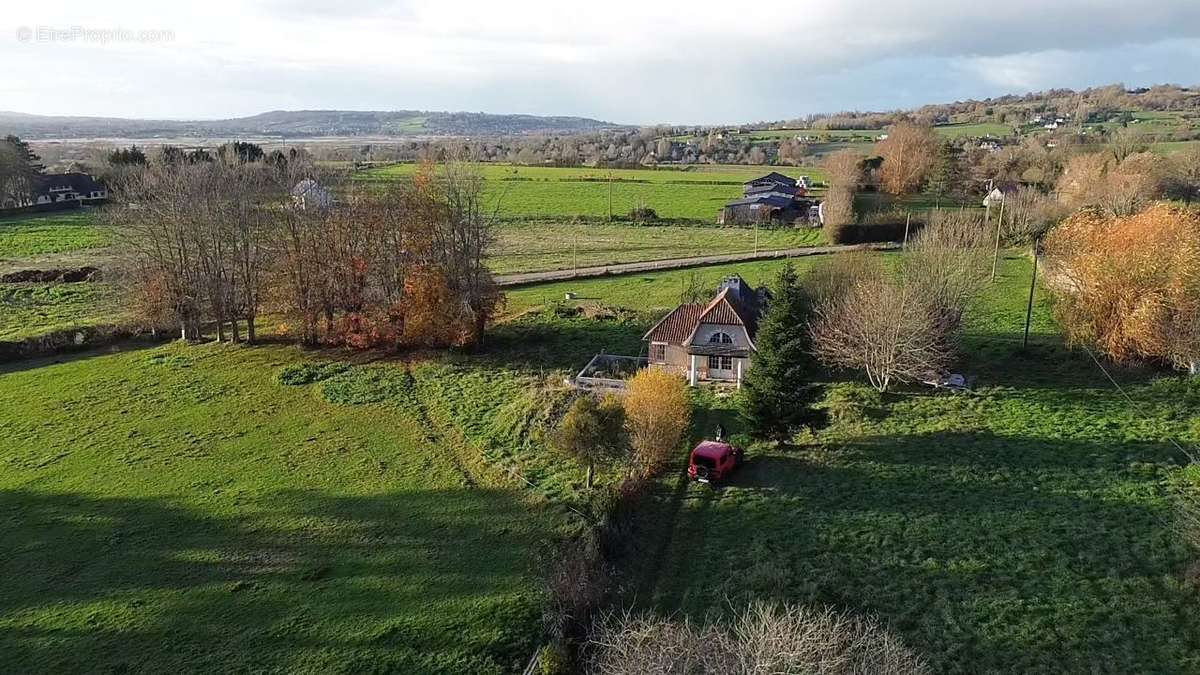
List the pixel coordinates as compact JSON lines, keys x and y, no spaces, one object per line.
{"x":220,"y":330}
{"x":234,"y":336}
{"x":590,"y":474}
{"x":250,"y":335}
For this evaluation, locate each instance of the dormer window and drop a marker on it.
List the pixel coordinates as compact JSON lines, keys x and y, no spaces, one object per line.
{"x":720,"y":338}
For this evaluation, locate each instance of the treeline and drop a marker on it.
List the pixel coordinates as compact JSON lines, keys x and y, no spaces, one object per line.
{"x":212,"y":245}
{"x":1039,"y":183}
{"x":1089,"y":105}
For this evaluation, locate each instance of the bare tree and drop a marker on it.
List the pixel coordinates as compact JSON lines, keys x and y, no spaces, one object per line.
{"x":948,"y":263}
{"x":763,"y":639}
{"x":890,"y":329}
{"x":1029,"y":214}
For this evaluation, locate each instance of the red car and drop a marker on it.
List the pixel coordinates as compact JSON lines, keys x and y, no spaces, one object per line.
{"x":712,"y":461}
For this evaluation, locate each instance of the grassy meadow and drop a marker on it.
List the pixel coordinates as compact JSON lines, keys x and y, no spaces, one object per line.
{"x":529,"y":246}
{"x":676,"y":195}
{"x":219,"y":509}
{"x":40,"y":234}
{"x":31,"y":309}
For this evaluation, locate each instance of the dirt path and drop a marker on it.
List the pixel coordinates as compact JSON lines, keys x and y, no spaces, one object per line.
{"x":677,"y":263}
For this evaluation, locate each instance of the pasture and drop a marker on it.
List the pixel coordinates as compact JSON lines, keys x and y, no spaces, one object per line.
{"x":693,"y":196}
{"x":40,"y":234}
{"x":216,"y":509}
{"x":530,"y":246}
{"x":31,"y":309}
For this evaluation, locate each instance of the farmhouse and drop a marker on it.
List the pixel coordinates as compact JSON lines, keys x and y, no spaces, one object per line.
{"x":770,"y":198}
{"x":63,"y":189}
{"x":713,"y":341}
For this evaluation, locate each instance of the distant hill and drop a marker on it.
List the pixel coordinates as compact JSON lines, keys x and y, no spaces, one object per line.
{"x":301,"y":124}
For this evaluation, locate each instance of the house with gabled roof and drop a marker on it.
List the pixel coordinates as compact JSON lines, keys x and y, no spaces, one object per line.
{"x":713,"y":341}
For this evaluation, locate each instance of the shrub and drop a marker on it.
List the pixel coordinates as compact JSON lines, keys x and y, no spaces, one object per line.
{"x":657,"y":412}
{"x":307,"y":373}
{"x":1130,"y":286}
{"x":643,"y":214}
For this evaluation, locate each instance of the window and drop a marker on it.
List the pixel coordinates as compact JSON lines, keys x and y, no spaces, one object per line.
{"x":720,"y":338}
{"x":658,"y":352}
{"x":720,"y":363}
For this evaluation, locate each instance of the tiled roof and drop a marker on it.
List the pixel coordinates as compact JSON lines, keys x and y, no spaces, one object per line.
{"x":676,"y":326}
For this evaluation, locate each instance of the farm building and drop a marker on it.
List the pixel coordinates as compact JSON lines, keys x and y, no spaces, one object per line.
{"x":61,"y":189}
{"x":710,"y":342}
{"x":771,"y":198}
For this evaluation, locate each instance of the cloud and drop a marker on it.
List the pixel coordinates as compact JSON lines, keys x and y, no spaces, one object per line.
{"x":628,"y":61}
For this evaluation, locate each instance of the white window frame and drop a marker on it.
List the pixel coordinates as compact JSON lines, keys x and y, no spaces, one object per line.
{"x":723,"y":362}
{"x":720,"y":337}
{"x":655,"y":346}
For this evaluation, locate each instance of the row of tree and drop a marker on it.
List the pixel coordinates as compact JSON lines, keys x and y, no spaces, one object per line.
{"x":218,"y":243}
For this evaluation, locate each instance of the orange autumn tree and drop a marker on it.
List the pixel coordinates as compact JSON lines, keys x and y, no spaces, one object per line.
{"x":657,"y":413}
{"x":909,"y":153}
{"x":1130,"y":286}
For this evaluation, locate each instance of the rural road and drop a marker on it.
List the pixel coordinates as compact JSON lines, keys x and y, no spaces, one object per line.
{"x":676,"y":263}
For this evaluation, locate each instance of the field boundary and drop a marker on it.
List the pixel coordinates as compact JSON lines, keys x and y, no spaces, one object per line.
{"x":526,"y":278}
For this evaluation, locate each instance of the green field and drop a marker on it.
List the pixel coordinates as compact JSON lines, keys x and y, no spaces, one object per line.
{"x":693,"y":195}
{"x":177,"y":509}
{"x":30,"y":309}
{"x":46,"y":233}
{"x":523,"y":246}
{"x":974,"y":130}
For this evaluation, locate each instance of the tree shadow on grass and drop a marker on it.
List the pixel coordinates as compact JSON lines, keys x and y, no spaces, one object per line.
{"x":422,"y":581}
{"x":539,"y":343}
{"x":987,"y":555}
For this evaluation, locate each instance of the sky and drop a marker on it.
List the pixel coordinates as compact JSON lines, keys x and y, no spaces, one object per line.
{"x":626,"y":61}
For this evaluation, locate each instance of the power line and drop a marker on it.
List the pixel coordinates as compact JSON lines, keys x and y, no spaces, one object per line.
{"x":1189,"y":455}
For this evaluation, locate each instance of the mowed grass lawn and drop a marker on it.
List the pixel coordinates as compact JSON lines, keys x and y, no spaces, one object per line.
{"x":46,"y":233}
{"x":1021,"y":528}
{"x":175,"y":509}
{"x":693,"y":195}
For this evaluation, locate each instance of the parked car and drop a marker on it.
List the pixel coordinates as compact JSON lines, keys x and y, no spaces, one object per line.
{"x":712,"y":461}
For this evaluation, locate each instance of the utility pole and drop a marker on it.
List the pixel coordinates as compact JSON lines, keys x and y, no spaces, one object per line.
{"x":996,"y":257}
{"x":1037,"y":244}
{"x":610,"y":196}
{"x":756,"y":236}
